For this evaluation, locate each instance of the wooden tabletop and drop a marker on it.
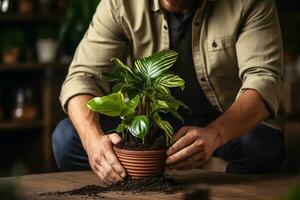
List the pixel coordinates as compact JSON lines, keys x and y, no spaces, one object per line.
{"x":222,"y":186}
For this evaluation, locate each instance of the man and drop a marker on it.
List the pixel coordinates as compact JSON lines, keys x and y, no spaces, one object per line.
{"x":230,"y":55}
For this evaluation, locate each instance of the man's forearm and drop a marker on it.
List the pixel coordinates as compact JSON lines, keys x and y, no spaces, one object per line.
{"x":245,"y":113}
{"x":85,"y":121}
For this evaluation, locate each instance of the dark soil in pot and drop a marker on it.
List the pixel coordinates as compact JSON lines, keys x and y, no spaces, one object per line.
{"x":147,"y":184}
{"x":153,"y":141}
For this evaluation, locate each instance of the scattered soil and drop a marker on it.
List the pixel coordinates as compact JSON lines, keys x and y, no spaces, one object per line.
{"x":147,"y":184}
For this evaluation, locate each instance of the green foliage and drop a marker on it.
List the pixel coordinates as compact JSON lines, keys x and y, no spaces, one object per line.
{"x":78,"y":16}
{"x":46,"y":32}
{"x":11,"y":38}
{"x":139,"y":126}
{"x":111,"y":105}
{"x":147,"y":86}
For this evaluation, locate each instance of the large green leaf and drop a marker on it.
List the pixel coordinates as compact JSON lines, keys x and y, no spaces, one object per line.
{"x":131,"y":106}
{"x":139,"y":126}
{"x":153,"y":66}
{"x":110,"y":105}
{"x":170,"y":81}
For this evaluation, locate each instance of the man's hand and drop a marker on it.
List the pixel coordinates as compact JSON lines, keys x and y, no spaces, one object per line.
{"x":192,"y":148}
{"x":103,"y":160}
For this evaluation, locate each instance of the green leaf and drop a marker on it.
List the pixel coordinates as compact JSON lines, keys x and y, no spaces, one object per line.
{"x":127,"y":119}
{"x":170,"y":81}
{"x":110,"y":105}
{"x":164,"y":125}
{"x":171,"y":99}
{"x":120,"y":64}
{"x":131,"y":106}
{"x":121,"y":128}
{"x":139,"y":126}
{"x":176,"y":114}
{"x":162,"y":89}
{"x":112,"y":77}
{"x":118,"y":87}
{"x":158,"y":104}
{"x":153,"y":66}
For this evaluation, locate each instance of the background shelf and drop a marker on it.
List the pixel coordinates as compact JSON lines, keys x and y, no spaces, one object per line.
{"x":30,"y":66}
{"x":14,"y":125}
{"x":31,"y":18}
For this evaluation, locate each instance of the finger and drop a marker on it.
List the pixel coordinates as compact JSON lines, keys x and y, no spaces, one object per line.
{"x":109,"y":173}
{"x":115,"y":138}
{"x":102,"y":168}
{"x":179,"y":134}
{"x":189,"y":163}
{"x":96,"y":169}
{"x":115,"y":163}
{"x":183,"y":153}
{"x":181,"y":143}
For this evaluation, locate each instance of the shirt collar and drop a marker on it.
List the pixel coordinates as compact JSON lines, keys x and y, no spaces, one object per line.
{"x":155,"y":6}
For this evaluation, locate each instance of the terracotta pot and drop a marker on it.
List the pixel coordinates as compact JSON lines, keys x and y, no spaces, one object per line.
{"x":140,"y":164}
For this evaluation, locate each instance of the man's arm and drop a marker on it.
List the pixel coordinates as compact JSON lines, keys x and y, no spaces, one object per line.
{"x":98,"y":146}
{"x":260,"y":57}
{"x":194,"y":145}
{"x":104,"y":39}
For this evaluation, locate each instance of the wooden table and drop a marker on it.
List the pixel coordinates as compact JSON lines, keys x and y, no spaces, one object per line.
{"x":222,"y":186}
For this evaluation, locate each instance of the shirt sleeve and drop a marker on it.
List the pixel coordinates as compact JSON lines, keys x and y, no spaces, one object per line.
{"x":103,"y":40}
{"x":260,"y":53}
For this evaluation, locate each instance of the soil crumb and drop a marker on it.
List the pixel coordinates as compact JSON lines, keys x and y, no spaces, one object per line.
{"x":147,"y":184}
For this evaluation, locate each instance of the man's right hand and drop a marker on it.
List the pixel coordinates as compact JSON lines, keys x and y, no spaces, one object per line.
{"x":103,"y":160}
{"x":99,"y":147}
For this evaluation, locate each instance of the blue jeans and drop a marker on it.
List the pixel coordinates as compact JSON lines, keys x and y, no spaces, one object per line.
{"x":259,"y":151}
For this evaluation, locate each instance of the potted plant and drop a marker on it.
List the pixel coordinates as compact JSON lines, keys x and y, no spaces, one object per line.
{"x":46,"y":44}
{"x":12,"y":43}
{"x":140,"y":95}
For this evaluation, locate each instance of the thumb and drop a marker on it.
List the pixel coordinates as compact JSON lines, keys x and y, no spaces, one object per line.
{"x":115,"y":138}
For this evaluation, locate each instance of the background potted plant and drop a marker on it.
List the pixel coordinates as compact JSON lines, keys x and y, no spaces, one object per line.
{"x":78,"y":15}
{"x":146,"y":135}
{"x":46,"y":44}
{"x":12,"y":43}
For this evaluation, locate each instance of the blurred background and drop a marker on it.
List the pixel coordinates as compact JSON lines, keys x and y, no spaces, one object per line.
{"x":37,"y":42}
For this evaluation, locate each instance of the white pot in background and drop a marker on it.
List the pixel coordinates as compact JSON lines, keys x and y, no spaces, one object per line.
{"x":46,"y":50}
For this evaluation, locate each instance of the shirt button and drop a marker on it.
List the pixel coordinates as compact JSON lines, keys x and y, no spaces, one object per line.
{"x":203,"y":79}
{"x":197,"y":23}
{"x":165,"y":27}
{"x":214,"y":44}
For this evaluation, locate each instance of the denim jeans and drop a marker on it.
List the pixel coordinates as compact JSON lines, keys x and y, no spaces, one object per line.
{"x":259,"y":151}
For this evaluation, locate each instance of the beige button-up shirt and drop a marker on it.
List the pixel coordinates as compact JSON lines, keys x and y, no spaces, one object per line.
{"x":236,"y":45}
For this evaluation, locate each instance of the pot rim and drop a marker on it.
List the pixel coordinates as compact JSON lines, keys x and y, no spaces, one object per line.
{"x":139,"y":151}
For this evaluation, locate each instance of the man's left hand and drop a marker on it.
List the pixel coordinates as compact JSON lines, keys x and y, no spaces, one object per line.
{"x":192,"y":147}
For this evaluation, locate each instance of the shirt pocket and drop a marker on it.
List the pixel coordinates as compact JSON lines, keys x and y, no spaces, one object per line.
{"x":222,"y":69}
{"x":222,"y":59}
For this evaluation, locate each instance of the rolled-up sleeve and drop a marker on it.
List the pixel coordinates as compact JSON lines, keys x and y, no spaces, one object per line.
{"x":260,"y":53}
{"x":103,"y":40}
